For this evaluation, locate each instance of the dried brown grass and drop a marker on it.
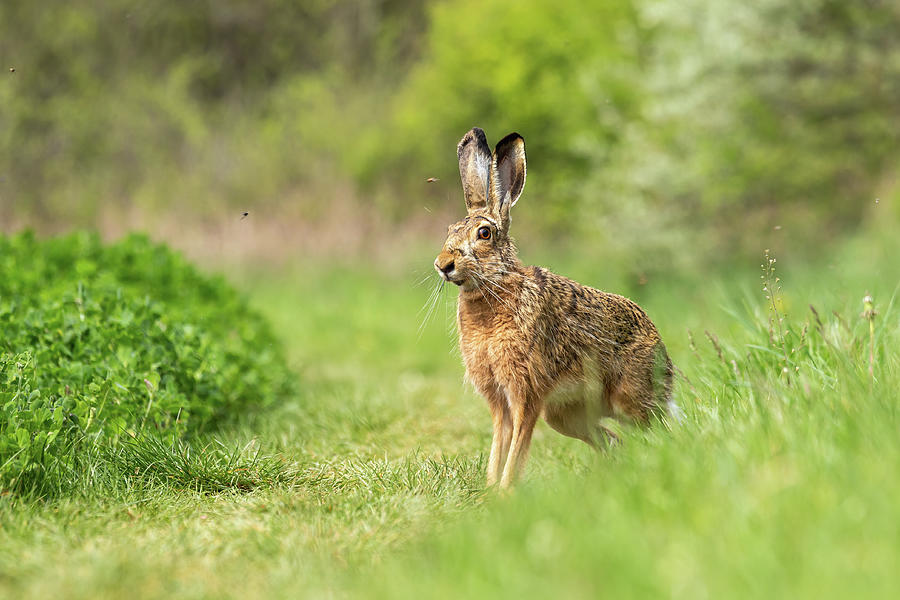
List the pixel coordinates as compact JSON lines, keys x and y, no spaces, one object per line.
{"x":344,"y":230}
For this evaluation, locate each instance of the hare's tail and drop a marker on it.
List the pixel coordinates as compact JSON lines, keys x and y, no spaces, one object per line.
{"x":672,"y":409}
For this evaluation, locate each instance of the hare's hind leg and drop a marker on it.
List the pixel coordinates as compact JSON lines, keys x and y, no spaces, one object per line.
{"x":524,"y":417}
{"x":501,"y":438}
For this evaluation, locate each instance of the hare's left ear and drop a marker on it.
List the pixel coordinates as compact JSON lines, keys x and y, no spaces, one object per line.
{"x":508,"y":177}
{"x":474,"y":168}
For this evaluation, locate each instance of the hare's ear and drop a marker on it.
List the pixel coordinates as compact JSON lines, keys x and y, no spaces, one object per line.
{"x":474,"y":168}
{"x":508,"y":177}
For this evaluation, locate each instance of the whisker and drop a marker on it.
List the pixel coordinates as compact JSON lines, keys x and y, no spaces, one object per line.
{"x":430,"y":298}
{"x":431,"y":303}
{"x":423,"y":280}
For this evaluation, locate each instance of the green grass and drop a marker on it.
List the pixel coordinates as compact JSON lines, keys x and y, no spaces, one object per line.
{"x":370,"y":482}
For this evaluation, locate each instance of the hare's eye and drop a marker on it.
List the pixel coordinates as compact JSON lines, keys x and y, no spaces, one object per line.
{"x":484,"y":233}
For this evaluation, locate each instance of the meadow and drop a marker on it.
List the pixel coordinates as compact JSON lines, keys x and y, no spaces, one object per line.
{"x":368,"y":480}
{"x":280,"y":411}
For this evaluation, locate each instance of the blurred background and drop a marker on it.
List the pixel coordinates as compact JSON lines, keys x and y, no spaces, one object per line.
{"x":663,"y":137}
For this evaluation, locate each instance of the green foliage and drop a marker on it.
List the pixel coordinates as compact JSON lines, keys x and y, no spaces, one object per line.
{"x":671,"y":132}
{"x":760,"y":115}
{"x":644,"y":120}
{"x":560,"y":74}
{"x":99,"y":341}
{"x":149,"y":103}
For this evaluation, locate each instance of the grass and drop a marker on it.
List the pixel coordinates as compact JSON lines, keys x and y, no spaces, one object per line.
{"x":370,"y":483}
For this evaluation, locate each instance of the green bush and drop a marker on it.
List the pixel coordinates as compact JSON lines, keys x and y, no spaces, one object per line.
{"x":98,"y":341}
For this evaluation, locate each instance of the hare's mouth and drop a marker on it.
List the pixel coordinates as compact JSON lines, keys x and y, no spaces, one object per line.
{"x":452,"y":277}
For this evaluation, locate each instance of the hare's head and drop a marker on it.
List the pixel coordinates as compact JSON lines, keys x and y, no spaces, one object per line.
{"x":478,"y":248}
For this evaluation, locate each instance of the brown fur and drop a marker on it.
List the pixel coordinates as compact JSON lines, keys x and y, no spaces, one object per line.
{"x":535,"y":343}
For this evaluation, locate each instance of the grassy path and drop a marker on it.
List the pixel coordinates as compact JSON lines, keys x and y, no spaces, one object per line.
{"x":774,"y":485}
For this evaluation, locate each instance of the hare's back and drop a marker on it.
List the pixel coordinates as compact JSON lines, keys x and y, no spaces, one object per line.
{"x":619,"y":320}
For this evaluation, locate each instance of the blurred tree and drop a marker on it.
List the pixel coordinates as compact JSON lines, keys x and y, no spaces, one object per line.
{"x":643,"y":118}
{"x":110,"y":94}
{"x":561,"y":74}
{"x":766,"y":113}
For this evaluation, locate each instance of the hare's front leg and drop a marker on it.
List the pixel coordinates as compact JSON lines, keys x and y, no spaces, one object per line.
{"x":501,"y":439}
{"x":524,"y":418}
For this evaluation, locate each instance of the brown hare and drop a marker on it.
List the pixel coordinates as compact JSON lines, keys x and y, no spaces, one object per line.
{"x":535,"y":343}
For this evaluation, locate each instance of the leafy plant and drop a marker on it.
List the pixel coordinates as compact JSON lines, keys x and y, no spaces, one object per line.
{"x":104,"y":341}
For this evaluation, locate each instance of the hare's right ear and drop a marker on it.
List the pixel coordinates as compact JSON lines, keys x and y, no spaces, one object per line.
{"x":508,"y":177}
{"x":474,"y":168}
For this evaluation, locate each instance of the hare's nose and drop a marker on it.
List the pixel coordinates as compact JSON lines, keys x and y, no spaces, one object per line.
{"x":444,"y":264}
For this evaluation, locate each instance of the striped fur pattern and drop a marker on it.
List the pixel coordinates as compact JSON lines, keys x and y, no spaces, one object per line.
{"x":535,"y":343}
